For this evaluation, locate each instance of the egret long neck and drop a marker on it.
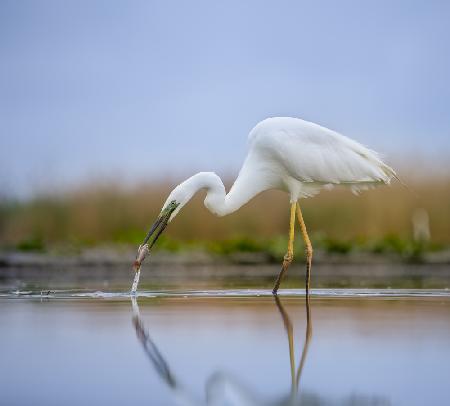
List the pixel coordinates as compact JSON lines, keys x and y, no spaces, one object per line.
{"x":254,"y":177}
{"x":217,"y":201}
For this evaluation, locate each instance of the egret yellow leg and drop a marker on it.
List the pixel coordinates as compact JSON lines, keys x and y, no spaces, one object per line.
{"x":290,"y":252}
{"x":308,"y":247}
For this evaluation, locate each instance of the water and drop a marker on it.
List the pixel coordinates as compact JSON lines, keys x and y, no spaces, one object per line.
{"x":348,"y":347}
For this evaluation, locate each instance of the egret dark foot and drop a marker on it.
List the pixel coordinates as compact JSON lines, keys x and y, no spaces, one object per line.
{"x":286,"y":262}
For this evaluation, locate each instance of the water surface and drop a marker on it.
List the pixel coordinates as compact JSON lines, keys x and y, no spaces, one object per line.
{"x":349,"y":347}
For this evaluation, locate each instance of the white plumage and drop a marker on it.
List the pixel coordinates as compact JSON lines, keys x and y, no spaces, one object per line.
{"x":289,"y":154}
{"x":302,"y":157}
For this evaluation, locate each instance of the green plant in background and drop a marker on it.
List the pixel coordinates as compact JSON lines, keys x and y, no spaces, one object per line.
{"x":333,"y":245}
{"x":128,"y":236}
{"x":170,"y":245}
{"x":238,"y":244}
{"x":32,"y":244}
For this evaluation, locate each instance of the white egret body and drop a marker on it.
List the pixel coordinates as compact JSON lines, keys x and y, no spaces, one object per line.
{"x":289,"y":154}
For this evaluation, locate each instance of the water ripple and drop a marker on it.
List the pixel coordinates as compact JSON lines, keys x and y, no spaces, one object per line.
{"x":218,"y":293}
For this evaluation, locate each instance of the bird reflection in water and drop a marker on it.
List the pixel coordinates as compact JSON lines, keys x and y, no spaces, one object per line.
{"x":224,"y":389}
{"x":295,"y":376}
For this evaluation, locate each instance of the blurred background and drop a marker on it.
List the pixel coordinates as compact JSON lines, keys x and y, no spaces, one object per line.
{"x":106,"y":105}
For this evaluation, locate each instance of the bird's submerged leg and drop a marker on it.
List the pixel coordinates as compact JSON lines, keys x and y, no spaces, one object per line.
{"x":308,"y":246}
{"x":290,"y":252}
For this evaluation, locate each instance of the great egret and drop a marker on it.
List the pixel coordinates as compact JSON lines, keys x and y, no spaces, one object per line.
{"x":285,"y":153}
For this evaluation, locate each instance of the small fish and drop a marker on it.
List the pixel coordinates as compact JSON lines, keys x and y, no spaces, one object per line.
{"x":142,"y":253}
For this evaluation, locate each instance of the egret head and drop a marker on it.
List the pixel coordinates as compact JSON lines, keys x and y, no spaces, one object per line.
{"x":176,"y":200}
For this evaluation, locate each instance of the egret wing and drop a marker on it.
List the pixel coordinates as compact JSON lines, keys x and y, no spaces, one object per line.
{"x":312,"y":153}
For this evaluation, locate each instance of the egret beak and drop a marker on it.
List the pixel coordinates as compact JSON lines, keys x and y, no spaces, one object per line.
{"x":155,"y":231}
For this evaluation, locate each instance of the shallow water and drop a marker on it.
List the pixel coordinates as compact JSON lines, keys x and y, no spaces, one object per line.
{"x":242,"y":347}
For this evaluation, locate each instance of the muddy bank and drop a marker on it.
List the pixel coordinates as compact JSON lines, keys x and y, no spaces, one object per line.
{"x":105,"y":267}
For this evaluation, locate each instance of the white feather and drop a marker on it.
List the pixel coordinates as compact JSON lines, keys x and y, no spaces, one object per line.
{"x":294,"y":155}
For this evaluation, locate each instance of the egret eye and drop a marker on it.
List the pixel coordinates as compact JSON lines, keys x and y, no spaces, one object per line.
{"x":170,"y":208}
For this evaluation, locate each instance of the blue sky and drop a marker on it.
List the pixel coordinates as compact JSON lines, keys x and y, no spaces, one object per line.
{"x":149,"y":90}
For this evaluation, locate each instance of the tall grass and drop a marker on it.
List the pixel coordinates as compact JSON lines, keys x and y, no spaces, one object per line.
{"x":108,"y":213}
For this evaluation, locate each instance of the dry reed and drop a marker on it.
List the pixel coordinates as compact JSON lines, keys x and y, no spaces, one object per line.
{"x":101,"y":213}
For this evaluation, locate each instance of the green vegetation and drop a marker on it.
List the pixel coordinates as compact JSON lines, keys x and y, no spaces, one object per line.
{"x":31,"y":244}
{"x":273,"y":249}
